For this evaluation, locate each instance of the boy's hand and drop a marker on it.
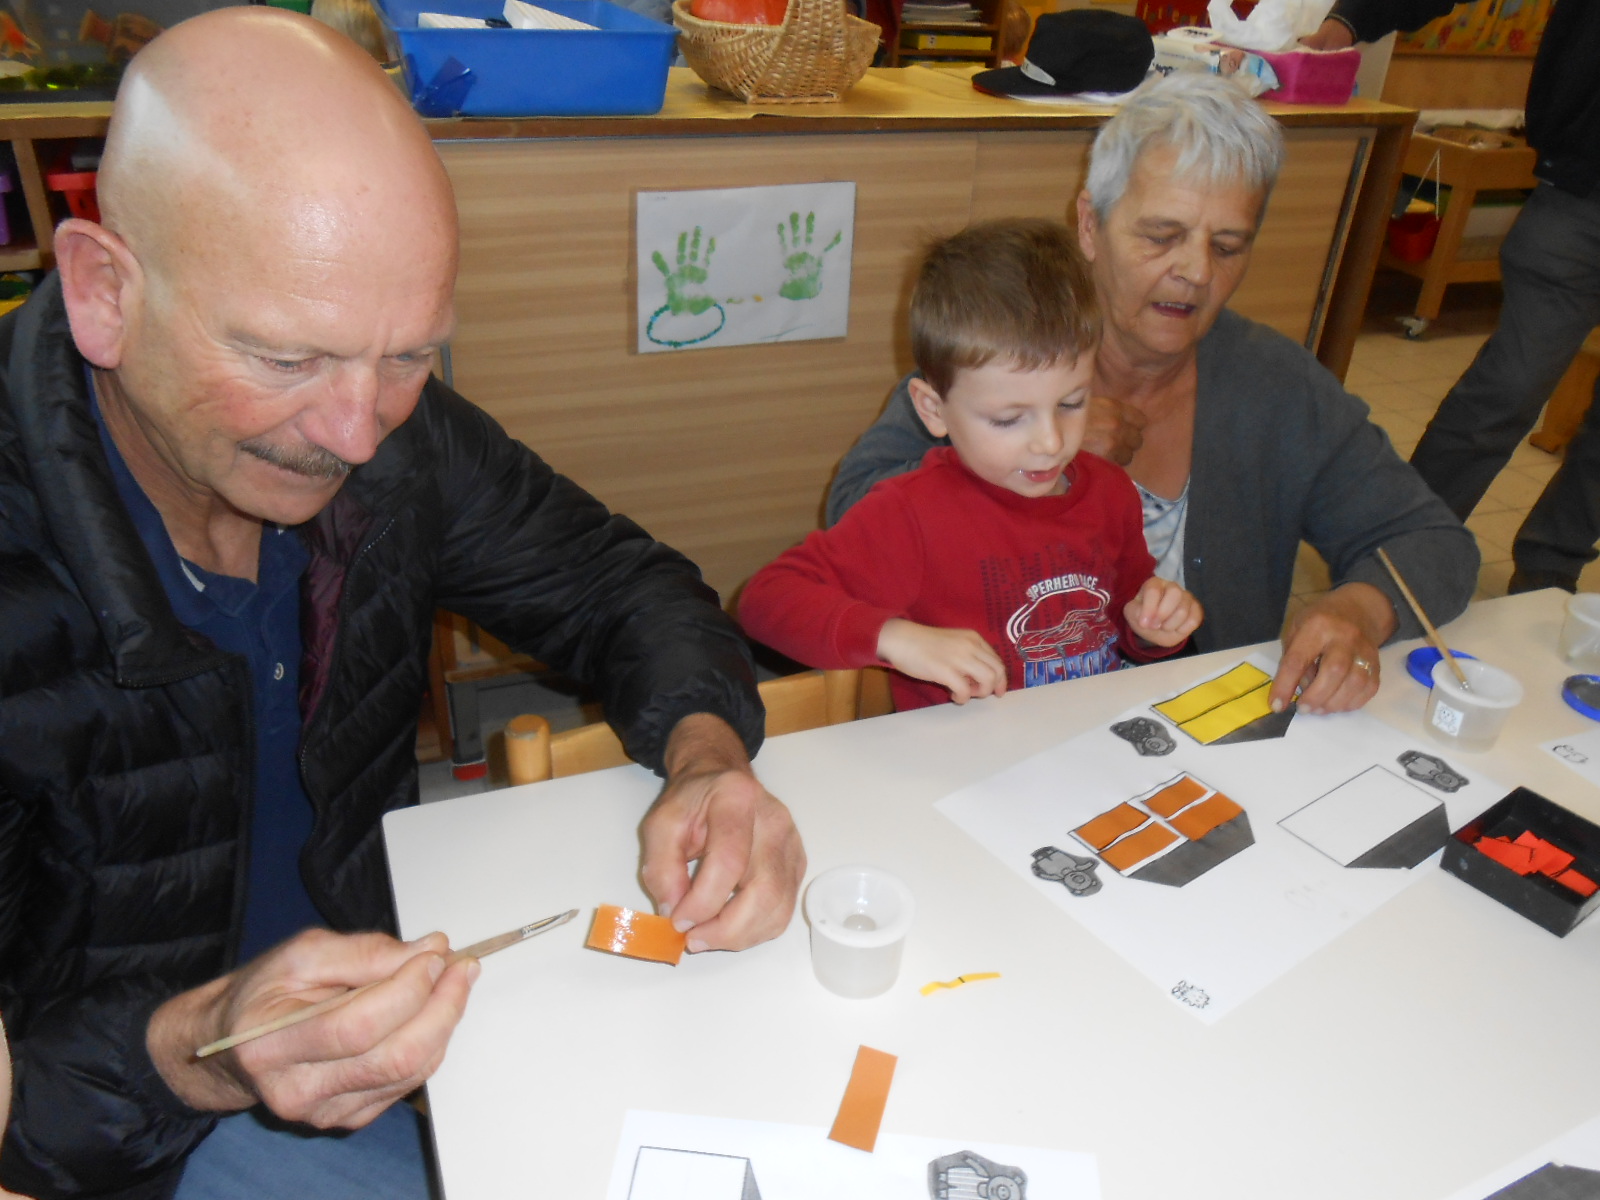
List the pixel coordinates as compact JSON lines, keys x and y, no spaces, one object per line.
{"x":958,"y":659}
{"x":1163,"y":614}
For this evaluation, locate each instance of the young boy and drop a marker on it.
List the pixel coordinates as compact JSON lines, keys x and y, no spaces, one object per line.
{"x":1004,"y":560}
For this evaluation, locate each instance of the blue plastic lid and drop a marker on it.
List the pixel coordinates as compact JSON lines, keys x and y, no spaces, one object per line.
{"x":1582,"y":692}
{"x":1420,"y":663}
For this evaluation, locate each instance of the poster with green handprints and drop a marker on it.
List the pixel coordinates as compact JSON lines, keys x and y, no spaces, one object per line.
{"x":740,"y":266}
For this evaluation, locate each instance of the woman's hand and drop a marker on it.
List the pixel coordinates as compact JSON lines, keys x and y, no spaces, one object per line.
{"x":1114,"y":430}
{"x":1162,"y":613}
{"x":1333,"y":35}
{"x":958,"y":659}
{"x":1330,"y":650}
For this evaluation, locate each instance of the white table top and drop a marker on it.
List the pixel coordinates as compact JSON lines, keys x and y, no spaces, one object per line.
{"x":1439,"y":1038}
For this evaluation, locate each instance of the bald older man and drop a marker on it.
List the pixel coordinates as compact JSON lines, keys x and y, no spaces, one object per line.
{"x":230,"y":499}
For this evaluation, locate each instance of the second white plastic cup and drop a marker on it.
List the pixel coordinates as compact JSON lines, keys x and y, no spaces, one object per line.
{"x":1580,"y":632}
{"x":1470,"y":720}
{"x":859,"y":918}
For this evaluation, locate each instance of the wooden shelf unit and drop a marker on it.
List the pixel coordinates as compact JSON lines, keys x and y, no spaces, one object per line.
{"x":34,"y":132}
{"x":988,"y":25}
{"x":1466,"y":172}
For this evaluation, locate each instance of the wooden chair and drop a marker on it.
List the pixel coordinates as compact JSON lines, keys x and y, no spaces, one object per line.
{"x":805,"y":701}
{"x":1570,"y":401}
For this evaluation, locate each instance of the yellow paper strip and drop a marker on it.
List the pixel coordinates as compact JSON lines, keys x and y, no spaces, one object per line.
{"x":1204,"y":697}
{"x":1223,"y":720}
{"x":929,"y":989}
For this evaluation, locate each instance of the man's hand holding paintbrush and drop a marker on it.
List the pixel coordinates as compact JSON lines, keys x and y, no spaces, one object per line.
{"x":341,"y":1069}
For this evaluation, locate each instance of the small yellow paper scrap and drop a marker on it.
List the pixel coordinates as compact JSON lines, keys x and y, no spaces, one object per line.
{"x":929,"y":989}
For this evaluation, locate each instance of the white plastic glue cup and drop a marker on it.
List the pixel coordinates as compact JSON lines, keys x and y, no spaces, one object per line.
{"x":1470,"y":720}
{"x":1580,"y":632}
{"x":859,"y":917}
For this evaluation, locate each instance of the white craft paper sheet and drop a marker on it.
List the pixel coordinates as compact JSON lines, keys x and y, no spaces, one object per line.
{"x":779,"y":270}
{"x":1579,"y":1147}
{"x":1581,"y":752}
{"x":798,"y":1162}
{"x":1217,"y":941}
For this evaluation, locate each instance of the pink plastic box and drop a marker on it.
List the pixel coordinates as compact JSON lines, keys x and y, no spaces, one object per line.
{"x":1313,"y":76}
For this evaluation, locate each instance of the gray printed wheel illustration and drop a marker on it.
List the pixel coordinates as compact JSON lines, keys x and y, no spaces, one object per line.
{"x":1076,"y":874}
{"x":964,"y":1174}
{"x":1433,"y":771}
{"x":1146,"y":735}
{"x":1001,"y":1187}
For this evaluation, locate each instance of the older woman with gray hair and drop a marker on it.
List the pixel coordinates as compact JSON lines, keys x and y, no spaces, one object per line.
{"x":1240,"y":442}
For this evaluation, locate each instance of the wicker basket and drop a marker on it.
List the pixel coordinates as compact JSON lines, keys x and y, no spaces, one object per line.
{"x":816,"y":55}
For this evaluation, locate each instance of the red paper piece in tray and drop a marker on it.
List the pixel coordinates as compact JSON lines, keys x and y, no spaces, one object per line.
{"x":1581,"y":884}
{"x":1508,"y":854}
{"x":1547,"y":859}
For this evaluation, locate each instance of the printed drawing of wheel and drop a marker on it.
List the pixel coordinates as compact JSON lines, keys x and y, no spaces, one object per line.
{"x":1001,"y":1187}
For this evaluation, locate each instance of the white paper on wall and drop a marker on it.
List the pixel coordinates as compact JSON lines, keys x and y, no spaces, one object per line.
{"x":739,"y":266}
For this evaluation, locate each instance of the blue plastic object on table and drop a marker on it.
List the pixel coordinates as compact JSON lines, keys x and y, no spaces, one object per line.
{"x":1582,"y":694}
{"x":1420,"y":662}
{"x":616,"y":69}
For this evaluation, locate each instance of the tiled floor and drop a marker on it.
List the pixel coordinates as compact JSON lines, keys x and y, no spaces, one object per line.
{"x":1404,"y":381}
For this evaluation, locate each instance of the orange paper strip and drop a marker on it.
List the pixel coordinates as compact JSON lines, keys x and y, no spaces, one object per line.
{"x":619,"y":930}
{"x":861,"y":1110}
{"x":1176,"y":796}
{"x":1136,"y":847}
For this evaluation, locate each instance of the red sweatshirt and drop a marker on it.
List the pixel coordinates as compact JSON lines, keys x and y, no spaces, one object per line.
{"x":1042,"y":579}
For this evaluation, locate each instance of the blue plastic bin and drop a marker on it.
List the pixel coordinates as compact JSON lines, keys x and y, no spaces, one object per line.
{"x":618,"y":69}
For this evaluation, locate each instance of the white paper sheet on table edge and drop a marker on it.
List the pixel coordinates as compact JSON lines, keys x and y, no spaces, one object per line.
{"x":1143,"y":923}
{"x":1579,"y":1147}
{"x":802,"y":1164}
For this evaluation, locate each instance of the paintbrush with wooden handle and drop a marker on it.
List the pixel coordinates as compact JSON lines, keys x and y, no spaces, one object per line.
{"x":477,"y":950}
{"x":1432,"y":634}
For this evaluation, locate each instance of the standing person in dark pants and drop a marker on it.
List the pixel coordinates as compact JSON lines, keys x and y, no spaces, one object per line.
{"x":1550,"y":265}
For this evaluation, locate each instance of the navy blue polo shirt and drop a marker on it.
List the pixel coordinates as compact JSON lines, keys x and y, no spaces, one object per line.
{"x":261,"y":622}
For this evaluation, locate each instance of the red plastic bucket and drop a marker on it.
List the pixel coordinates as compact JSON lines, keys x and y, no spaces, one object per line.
{"x":1412,"y":235}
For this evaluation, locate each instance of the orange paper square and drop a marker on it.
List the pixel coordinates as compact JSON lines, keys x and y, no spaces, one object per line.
{"x":861,"y":1110}
{"x":618,"y":930}
{"x":1136,"y":847}
{"x":1176,"y":796}
{"x":1109,"y":826}
{"x":1196,"y":822}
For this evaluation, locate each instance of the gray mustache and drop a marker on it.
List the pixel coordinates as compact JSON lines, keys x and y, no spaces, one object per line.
{"x":311,"y":461}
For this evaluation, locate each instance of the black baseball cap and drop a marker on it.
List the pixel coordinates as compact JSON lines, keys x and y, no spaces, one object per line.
{"x":1079,"y":50}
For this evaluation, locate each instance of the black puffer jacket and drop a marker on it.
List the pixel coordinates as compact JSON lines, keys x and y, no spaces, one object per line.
{"x":126,"y":740}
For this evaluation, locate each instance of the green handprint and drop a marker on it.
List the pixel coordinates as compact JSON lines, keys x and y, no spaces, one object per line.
{"x":804,"y":267}
{"x":684,"y":284}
